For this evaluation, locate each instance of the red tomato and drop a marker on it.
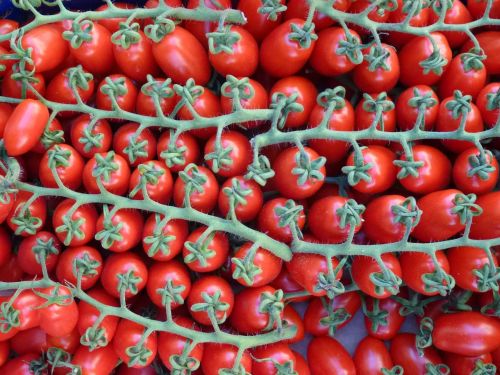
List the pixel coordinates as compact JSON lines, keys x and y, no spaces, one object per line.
{"x":475,"y":173}
{"x":52,"y":135}
{"x":113,"y":23}
{"x":124,"y":273}
{"x":187,"y":194}
{"x":292,"y":318}
{"x":327,"y":356}
{"x":377,"y":74}
{"x":5,"y":112}
{"x":205,"y":251}
{"x":487,"y":225}
{"x":245,"y":195}
{"x":80,"y":228}
{"x":407,"y":108}
{"x":365,"y":268}
{"x":35,"y":340}
{"x":489,"y":43}
{"x":183,"y":151}
{"x":18,"y":88}
{"x":461,"y":365}
{"x":11,"y":271}
{"x":284,"y":44}
{"x":59,"y":318}
{"x":300,"y":9}
{"x":112,"y":170}
{"x":254,"y":266}
{"x":90,"y":137}
{"x":372,"y":357}
{"x":456,"y":14}
{"x":25,"y":126}
{"x":419,"y":19}
{"x":217,"y":357}
{"x":467,"y":333}
{"x":24,"y":219}
{"x":375,"y":111}
{"x":477,"y":9}
{"x":125,"y":96}
{"x":48,"y":48}
{"x":100,"y":361}
{"x":33,"y":250}
{"x":205,"y":104}
{"x":419,"y":50}
{"x":66,"y":162}
{"x":130,"y":335}
{"x":485,"y":101}
{"x":26,"y":364}
{"x":261,"y":24}
{"x":159,"y":89}
{"x":200,"y":28}
{"x":269,"y":220}
{"x":278,"y":356}
{"x":83,"y":260}
{"x":7,"y":26}
{"x":26,"y":306}
{"x":287,"y":284}
{"x":181,"y":56}
{"x":379,"y":13}
{"x":5,"y":246}
{"x":165,"y":276}
{"x":120,"y":231}
{"x":61,"y":88}
{"x":163,"y":241}
{"x":157,"y":179}
{"x":231,"y":156}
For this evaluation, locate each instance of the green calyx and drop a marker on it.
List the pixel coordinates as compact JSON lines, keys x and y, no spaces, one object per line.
{"x":183,"y":365}
{"x":260,"y":170}
{"x":111,"y":232}
{"x":72,"y":228}
{"x":438,"y":281}
{"x":9,"y":317}
{"x":272,"y":304}
{"x":438,"y":369}
{"x":465,"y":207}
{"x":138,"y":355}
{"x":222,"y":40}
{"x":161,"y":27}
{"x":127,"y":282}
{"x":127,"y":35}
{"x":351,"y":48}
{"x":86,"y":266}
{"x":407,"y":212}
{"x":396,"y":370}
{"x":237,"y":90}
{"x":81,"y":32}
{"x":377,"y":58}
{"x":481,"y":368}
{"x":283,"y":105}
{"x":26,"y":223}
{"x":114,"y":88}
{"x":460,"y":106}
{"x":332,"y":98}
{"x":435,"y":63}
{"x":194,"y":181}
{"x":306,"y":169}
{"x":58,"y":157}
{"x":272,"y":8}
{"x":44,"y":249}
{"x":328,"y":283}
{"x":94,"y":338}
{"x":487,"y":277}
{"x":289,"y":215}
{"x":359,"y":171}
{"x":149,"y":174}
{"x":245,"y":268}
{"x":212,"y":305}
{"x":480,"y":166}
{"x":105,"y":166}
{"x":159,"y":241}
{"x":350,"y":214}
{"x":472,"y":60}
{"x":424,"y":336}
{"x":78,"y":78}
{"x":171,"y":293}
{"x":304,"y":36}
{"x":200,"y":251}
{"x":220,"y":157}
{"x":334,"y":319}
{"x":174,"y":154}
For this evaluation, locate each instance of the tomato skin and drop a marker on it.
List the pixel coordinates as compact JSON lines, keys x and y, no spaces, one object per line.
{"x":365,"y":119}
{"x":13,"y":88}
{"x":277,"y":47}
{"x":119,"y":178}
{"x":222,"y":356}
{"x":207,"y":104}
{"x":205,"y":201}
{"x":438,"y":222}
{"x":463,"y":261}
{"x":5,"y":246}
{"x":129,"y":334}
{"x":268,"y":264}
{"x":379,"y":79}
{"x":49,"y":49}
{"x":137,"y":61}
{"x":126,"y":102}
{"x":457,"y":77}
{"x":486,"y":225}
{"x":404,"y":353}
{"x":371,"y":356}
{"x":70,"y":174}
{"x":4,"y":352}
{"x":433,"y":175}
{"x":27,"y":303}
{"x":59,"y":320}
{"x":7,"y":26}
{"x":489,"y":116}
{"x":176,"y":228}
{"x":145,"y":104}
{"x":162,"y":273}
{"x":69,"y":256}
{"x":100,"y":361}
{"x":59,"y":90}
{"x":186,"y":142}
{"x":287,"y":284}
{"x":131,"y":222}
{"x":477,"y":9}
{"x":96,"y":55}
{"x":327,"y":356}
{"x":467,"y":333}
{"x":10,"y":272}
{"x":293,"y":319}
{"x":37,"y":209}
{"x":35,"y":340}
{"x":240,"y":154}
{"x":364,"y":266}
{"x":181,"y":56}
{"x":300,"y":9}
{"x":346,"y":303}
{"x":268,"y":221}
{"x":474,"y":183}
{"x":456,"y":14}
{"x":87,"y":214}
{"x":324,"y":58}
{"x":406,"y":115}
{"x":417,"y":50}
{"x":461,"y":365}
{"x":27,"y":256}
{"x":122,"y":263}
{"x":306,"y":96}
{"x":218,"y":244}
{"x":415,"y":265}
{"x":244,"y":212}
{"x":200,"y":28}
{"x":21,"y":365}
{"x":25,"y":126}
{"x":258,"y":24}
{"x":101,"y":129}
{"x":398,"y":39}
{"x":160,"y":192}
{"x":5,"y":112}
{"x":279,"y":353}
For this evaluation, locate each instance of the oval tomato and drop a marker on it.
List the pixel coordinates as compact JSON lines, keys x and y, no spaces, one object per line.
{"x":132,"y":347}
{"x":48,"y":48}
{"x":162,"y":240}
{"x":475,"y":172}
{"x":371,"y":357}
{"x":327,"y":356}
{"x":82,"y":260}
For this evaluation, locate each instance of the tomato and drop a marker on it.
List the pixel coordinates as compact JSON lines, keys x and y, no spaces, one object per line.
{"x":136,"y":60}
{"x":457,"y":13}
{"x":80,"y":228}
{"x":447,"y":122}
{"x":111,"y":169}
{"x":365,"y":268}
{"x":341,"y":119}
{"x":52,"y":135}
{"x":24,"y":219}
{"x":375,"y":111}
{"x":419,"y":50}
{"x":270,"y":219}
{"x":245,"y":195}
{"x":325,"y":218}
{"x":5,"y":112}
{"x":96,"y":54}
{"x":113,"y":23}
{"x":254,"y":266}
{"x":373,"y":75}
{"x":48,"y":48}
{"x":205,"y":104}
{"x":324,"y":317}
{"x":475,"y":173}
{"x":125,"y":370}
{"x":26,"y":364}
{"x":166,"y":276}
{"x":329,"y":58}
{"x":287,"y":284}
{"x":301,"y":366}
{"x":467,"y":333}
{"x":477,"y":9}
{"x":5,"y":246}
{"x":205,"y":251}
{"x":465,"y":263}
{"x":380,"y":13}
{"x":465,"y":73}
{"x":66,"y":162}
{"x":4,"y":352}
{"x":217,"y":357}
{"x":277,"y":357}
{"x":11,"y":271}
{"x":292,"y":318}
{"x":485,"y":101}
{"x":486,"y":225}
{"x":82,"y":259}
{"x":407,"y":108}
{"x":7,"y":26}
{"x":18,"y":88}
{"x":371,"y":357}
{"x":196,"y":187}
{"x":163,"y":241}
{"x":156,"y":178}
{"x":419,"y":18}
{"x":100,"y":361}
{"x":489,"y":43}
{"x":128,"y":336}
{"x":305,"y":93}
{"x":231,"y":156}
{"x":90,"y":137}
{"x":121,"y":231}
{"x":200,"y":28}
{"x":183,"y":151}
{"x":461,"y":365}
{"x":405,"y":354}
{"x":125,"y":96}
{"x":58,"y":318}
{"x":283,"y":44}
{"x":25,"y":305}
{"x":434,"y":173}
{"x":327,"y":356}
{"x":25,"y":126}
{"x":300,"y":9}
{"x":35,"y":340}
{"x":260,"y":24}
{"x":124,"y":273}
{"x":216,"y":290}
{"x":96,"y":335}
{"x":171,"y":347}
{"x":160,"y":89}
{"x":181,"y":56}
{"x":42,"y":246}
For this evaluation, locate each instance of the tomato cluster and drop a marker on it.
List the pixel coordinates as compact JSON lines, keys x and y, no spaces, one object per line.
{"x":220,"y":187}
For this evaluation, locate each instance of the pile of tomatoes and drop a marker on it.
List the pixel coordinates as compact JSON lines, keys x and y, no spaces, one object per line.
{"x":218,"y":197}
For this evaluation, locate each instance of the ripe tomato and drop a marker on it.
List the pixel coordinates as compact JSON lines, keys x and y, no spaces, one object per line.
{"x":25,"y":126}
{"x":291,"y":318}
{"x":477,"y":9}
{"x":419,"y":267}
{"x":329,"y":58}
{"x":489,"y":43}
{"x":465,"y":262}
{"x":419,"y":50}
{"x":380,"y":13}
{"x":205,"y":104}
{"x":364,"y":269}
{"x":254,"y":266}
{"x":475,"y":173}
{"x":420,"y":18}
{"x":216,"y":290}
{"x":26,"y":364}
{"x":260,"y":24}
{"x":26,"y":220}
{"x":205,"y":251}
{"x":124,"y":273}
{"x":58,"y":318}
{"x":100,"y":361}
{"x":287,"y":284}
{"x":5,"y":112}
{"x":374,"y":75}
{"x":466,"y":73}
{"x":11,"y":271}
{"x":201,"y":28}
{"x":18,"y":88}
{"x":113,"y":23}
{"x":156,"y":89}
{"x":52,"y":135}
{"x":486,"y":225}
{"x":284,"y":44}
{"x":26,"y":306}
{"x":183,"y":151}
{"x":181,"y":56}
{"x":203,"y":199}
{"x":368,"y":115}
{"x":299,"y":174}
{"x":407,"y":108}
{"x":130,"y":335}
{"x":217,"y":357}
{"x":271,"y":222}
{"x":300,"y":9}
{"x":5,"y":246}
{"x":66,"y":162}
{"x":327,"y":356}
{"x":48,"y":48}
{"x":163,"y":241}
{"x":278,"y":355}
{"x":461,"y":365}
{"x":231,"y":156}
{"x":467,"y":333}
{"x":120,"y":232}
{"x":80,"y":228}
{"x":84,"y":260}
{"x":112,"y":170}
{"x":456,"y":14}
{"x":157,"y":179}
{"x":90,"y":137}
{"x":125,"y":97}
{"x":136,"y":60}
{"x":165,"y":276}
{"x":433,"y":174}
{"x":485,"y":101}
{"x":324,"y":317}
{"x":371,"y":357}
{"x":246,"y":196}
{"x":33,"y":250}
